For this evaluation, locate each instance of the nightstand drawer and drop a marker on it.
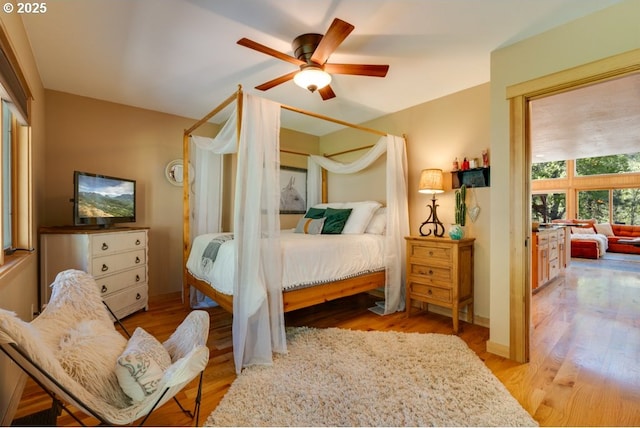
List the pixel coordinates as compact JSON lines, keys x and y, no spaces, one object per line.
{"x":433,"y":253}
{"x":421,"y":291}
{"x":441,"y":274}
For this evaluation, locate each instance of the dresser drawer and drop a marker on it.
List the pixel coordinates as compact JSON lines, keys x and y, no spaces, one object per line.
{"x":128,"y":300}
{"x":430,"y":252}
{"x":430,"y":293}
{"x":430,"y":273}
{"x":102,"y":244}
{"x":110,"y":284}
{"x":117,"y":262}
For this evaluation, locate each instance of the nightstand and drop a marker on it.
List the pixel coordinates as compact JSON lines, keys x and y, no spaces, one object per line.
{"x":440,"y":272}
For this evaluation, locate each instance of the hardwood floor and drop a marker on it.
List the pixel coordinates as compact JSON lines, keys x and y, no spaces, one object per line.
{"x":584,"y":368}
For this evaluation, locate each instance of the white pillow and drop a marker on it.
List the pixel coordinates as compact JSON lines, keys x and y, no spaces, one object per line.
{"x":583,"y":230}
{"x":605,"y":229}
{"x":361,"y":214}
{"x":141,"y":366}
{"x":378,"y":223}
{"x":310,"y":226}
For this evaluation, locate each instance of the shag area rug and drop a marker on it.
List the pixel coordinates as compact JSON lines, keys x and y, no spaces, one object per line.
{"x":338,"y":377}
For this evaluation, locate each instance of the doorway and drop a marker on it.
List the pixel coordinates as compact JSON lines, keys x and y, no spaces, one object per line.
{"x":520,"y":96}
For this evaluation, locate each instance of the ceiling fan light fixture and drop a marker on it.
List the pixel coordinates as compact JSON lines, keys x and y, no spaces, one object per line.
{"x":312,"y":77}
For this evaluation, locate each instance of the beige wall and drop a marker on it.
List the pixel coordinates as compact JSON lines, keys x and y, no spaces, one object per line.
{"x":437,"y":132}
{"x":122,"y":141}
{"x":600,"y":35}
{"x":113,"y":139}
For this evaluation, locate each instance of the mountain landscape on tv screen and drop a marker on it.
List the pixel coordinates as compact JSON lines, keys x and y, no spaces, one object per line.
{"x":93,"y":204}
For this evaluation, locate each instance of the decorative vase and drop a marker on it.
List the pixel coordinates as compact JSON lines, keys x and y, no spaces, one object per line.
{"x":456,"y":232}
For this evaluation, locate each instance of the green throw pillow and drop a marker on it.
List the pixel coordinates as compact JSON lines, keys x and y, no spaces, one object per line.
{"x":336,"y":219}
{"x":315,"y":213}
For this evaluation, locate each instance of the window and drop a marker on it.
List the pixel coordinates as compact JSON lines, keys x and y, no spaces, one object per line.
{"x":610,"y":205}
{"x":7,"y":179}
{"x":15,"y":156}
{"x":544,"y":170}
{"x":613,"y":164}
{"x":626,"y":206}
{"x":546,"y":207}
{"x":594,"y":204}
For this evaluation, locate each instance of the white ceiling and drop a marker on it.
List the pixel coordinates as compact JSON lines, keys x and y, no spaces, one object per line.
{"x":598,"y":120}
{"x":181,"y":56}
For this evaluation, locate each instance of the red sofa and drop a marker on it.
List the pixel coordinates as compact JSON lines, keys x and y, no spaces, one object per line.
{"x":588,"y":249}
{"x":622,"y":231}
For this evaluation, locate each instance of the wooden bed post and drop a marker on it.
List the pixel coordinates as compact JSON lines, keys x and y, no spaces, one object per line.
{"x":186,"y":210}
{"x":186,"y":231}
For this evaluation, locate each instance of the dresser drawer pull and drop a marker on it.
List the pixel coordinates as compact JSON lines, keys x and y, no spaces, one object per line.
{"x":137,"y":259}
{"x":429,"y":292}
{"x":138,"y":242}
{"x":105,"y":247}
{"x":431,"y":253}
{"x":105,"y":268}
{"x":104,"y":289}
{"x":137,"y":278}
{"x":138,"y":296}
{"x":430,"y":272}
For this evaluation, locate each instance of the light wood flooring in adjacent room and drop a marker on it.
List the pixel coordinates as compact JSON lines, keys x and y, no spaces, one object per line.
{"x":585,"y":360}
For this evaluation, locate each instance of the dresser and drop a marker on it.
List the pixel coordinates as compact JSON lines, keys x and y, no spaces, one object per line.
{"x":117,"y":258}
{"x":440,"y":272}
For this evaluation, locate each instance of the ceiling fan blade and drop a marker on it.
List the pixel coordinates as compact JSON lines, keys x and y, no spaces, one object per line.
{"x":275,"y":82}
{"x":267,"y":50}
{"x":357,"y":69}
{"x":337,"y":32}
{"x":327,"y":93}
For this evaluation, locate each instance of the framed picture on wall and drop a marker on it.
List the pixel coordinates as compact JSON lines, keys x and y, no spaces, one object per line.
{"x":293,"y":190}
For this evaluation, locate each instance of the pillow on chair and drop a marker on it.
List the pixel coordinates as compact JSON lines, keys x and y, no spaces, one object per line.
{"x":142,"y":365}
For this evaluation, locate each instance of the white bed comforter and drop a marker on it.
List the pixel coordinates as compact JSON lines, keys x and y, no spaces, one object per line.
{"x":602,"y":240}
{"x":306,"y":259}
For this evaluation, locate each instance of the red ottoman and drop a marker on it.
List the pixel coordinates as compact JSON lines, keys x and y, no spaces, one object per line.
{"x":584,"y":248}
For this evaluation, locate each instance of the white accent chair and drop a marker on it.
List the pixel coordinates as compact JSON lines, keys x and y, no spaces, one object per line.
{"x":74,"y":352}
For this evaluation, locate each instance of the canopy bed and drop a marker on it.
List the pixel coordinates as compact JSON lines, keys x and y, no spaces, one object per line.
{"x":256,"y":291}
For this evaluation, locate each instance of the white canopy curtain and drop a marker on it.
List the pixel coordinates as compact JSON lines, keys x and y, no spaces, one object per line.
{"x":397,"y":207}
{"x":258,"y":318}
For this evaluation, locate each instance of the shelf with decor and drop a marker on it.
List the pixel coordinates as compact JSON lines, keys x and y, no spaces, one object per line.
{"x":474,"y":177}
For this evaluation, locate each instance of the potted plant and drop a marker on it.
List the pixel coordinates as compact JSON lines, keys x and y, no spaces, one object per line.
{"x":457,"y":231}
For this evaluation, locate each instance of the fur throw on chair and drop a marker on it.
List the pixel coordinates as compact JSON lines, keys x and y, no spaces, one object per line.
{"x":74,"y":340}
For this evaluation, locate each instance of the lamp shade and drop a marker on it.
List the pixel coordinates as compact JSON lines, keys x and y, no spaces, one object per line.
{"x":312,"y":78}
{"x":431,"y":181}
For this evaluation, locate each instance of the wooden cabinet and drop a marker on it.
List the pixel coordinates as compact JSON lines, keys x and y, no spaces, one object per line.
{"x":548,"y":255}
{"x":116,"y":258}
{"x":440,"y":272}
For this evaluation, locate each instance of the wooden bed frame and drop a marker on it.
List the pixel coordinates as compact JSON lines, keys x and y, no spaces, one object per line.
{"x":292,"y":299}
{"x":298,"y":298}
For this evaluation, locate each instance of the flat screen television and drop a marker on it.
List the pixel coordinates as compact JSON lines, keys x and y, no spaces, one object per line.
{"x":101,"y":200}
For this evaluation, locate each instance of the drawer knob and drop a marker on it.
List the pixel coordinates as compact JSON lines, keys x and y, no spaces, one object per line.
{"x":137,"y":278}
{"x":138,"y":296}
{"x":430,"y":272}
{"x":104,"y":289}
{"x":137,"y":259}
{"x":105,"y":247}
{"x":431,"y":253}
{"x":429,"y":292}
{"x":137,"y":242}
{"x":105,"y":268}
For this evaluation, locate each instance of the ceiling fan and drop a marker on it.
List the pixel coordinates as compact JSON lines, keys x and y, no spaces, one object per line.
{"x":311,"y":52}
